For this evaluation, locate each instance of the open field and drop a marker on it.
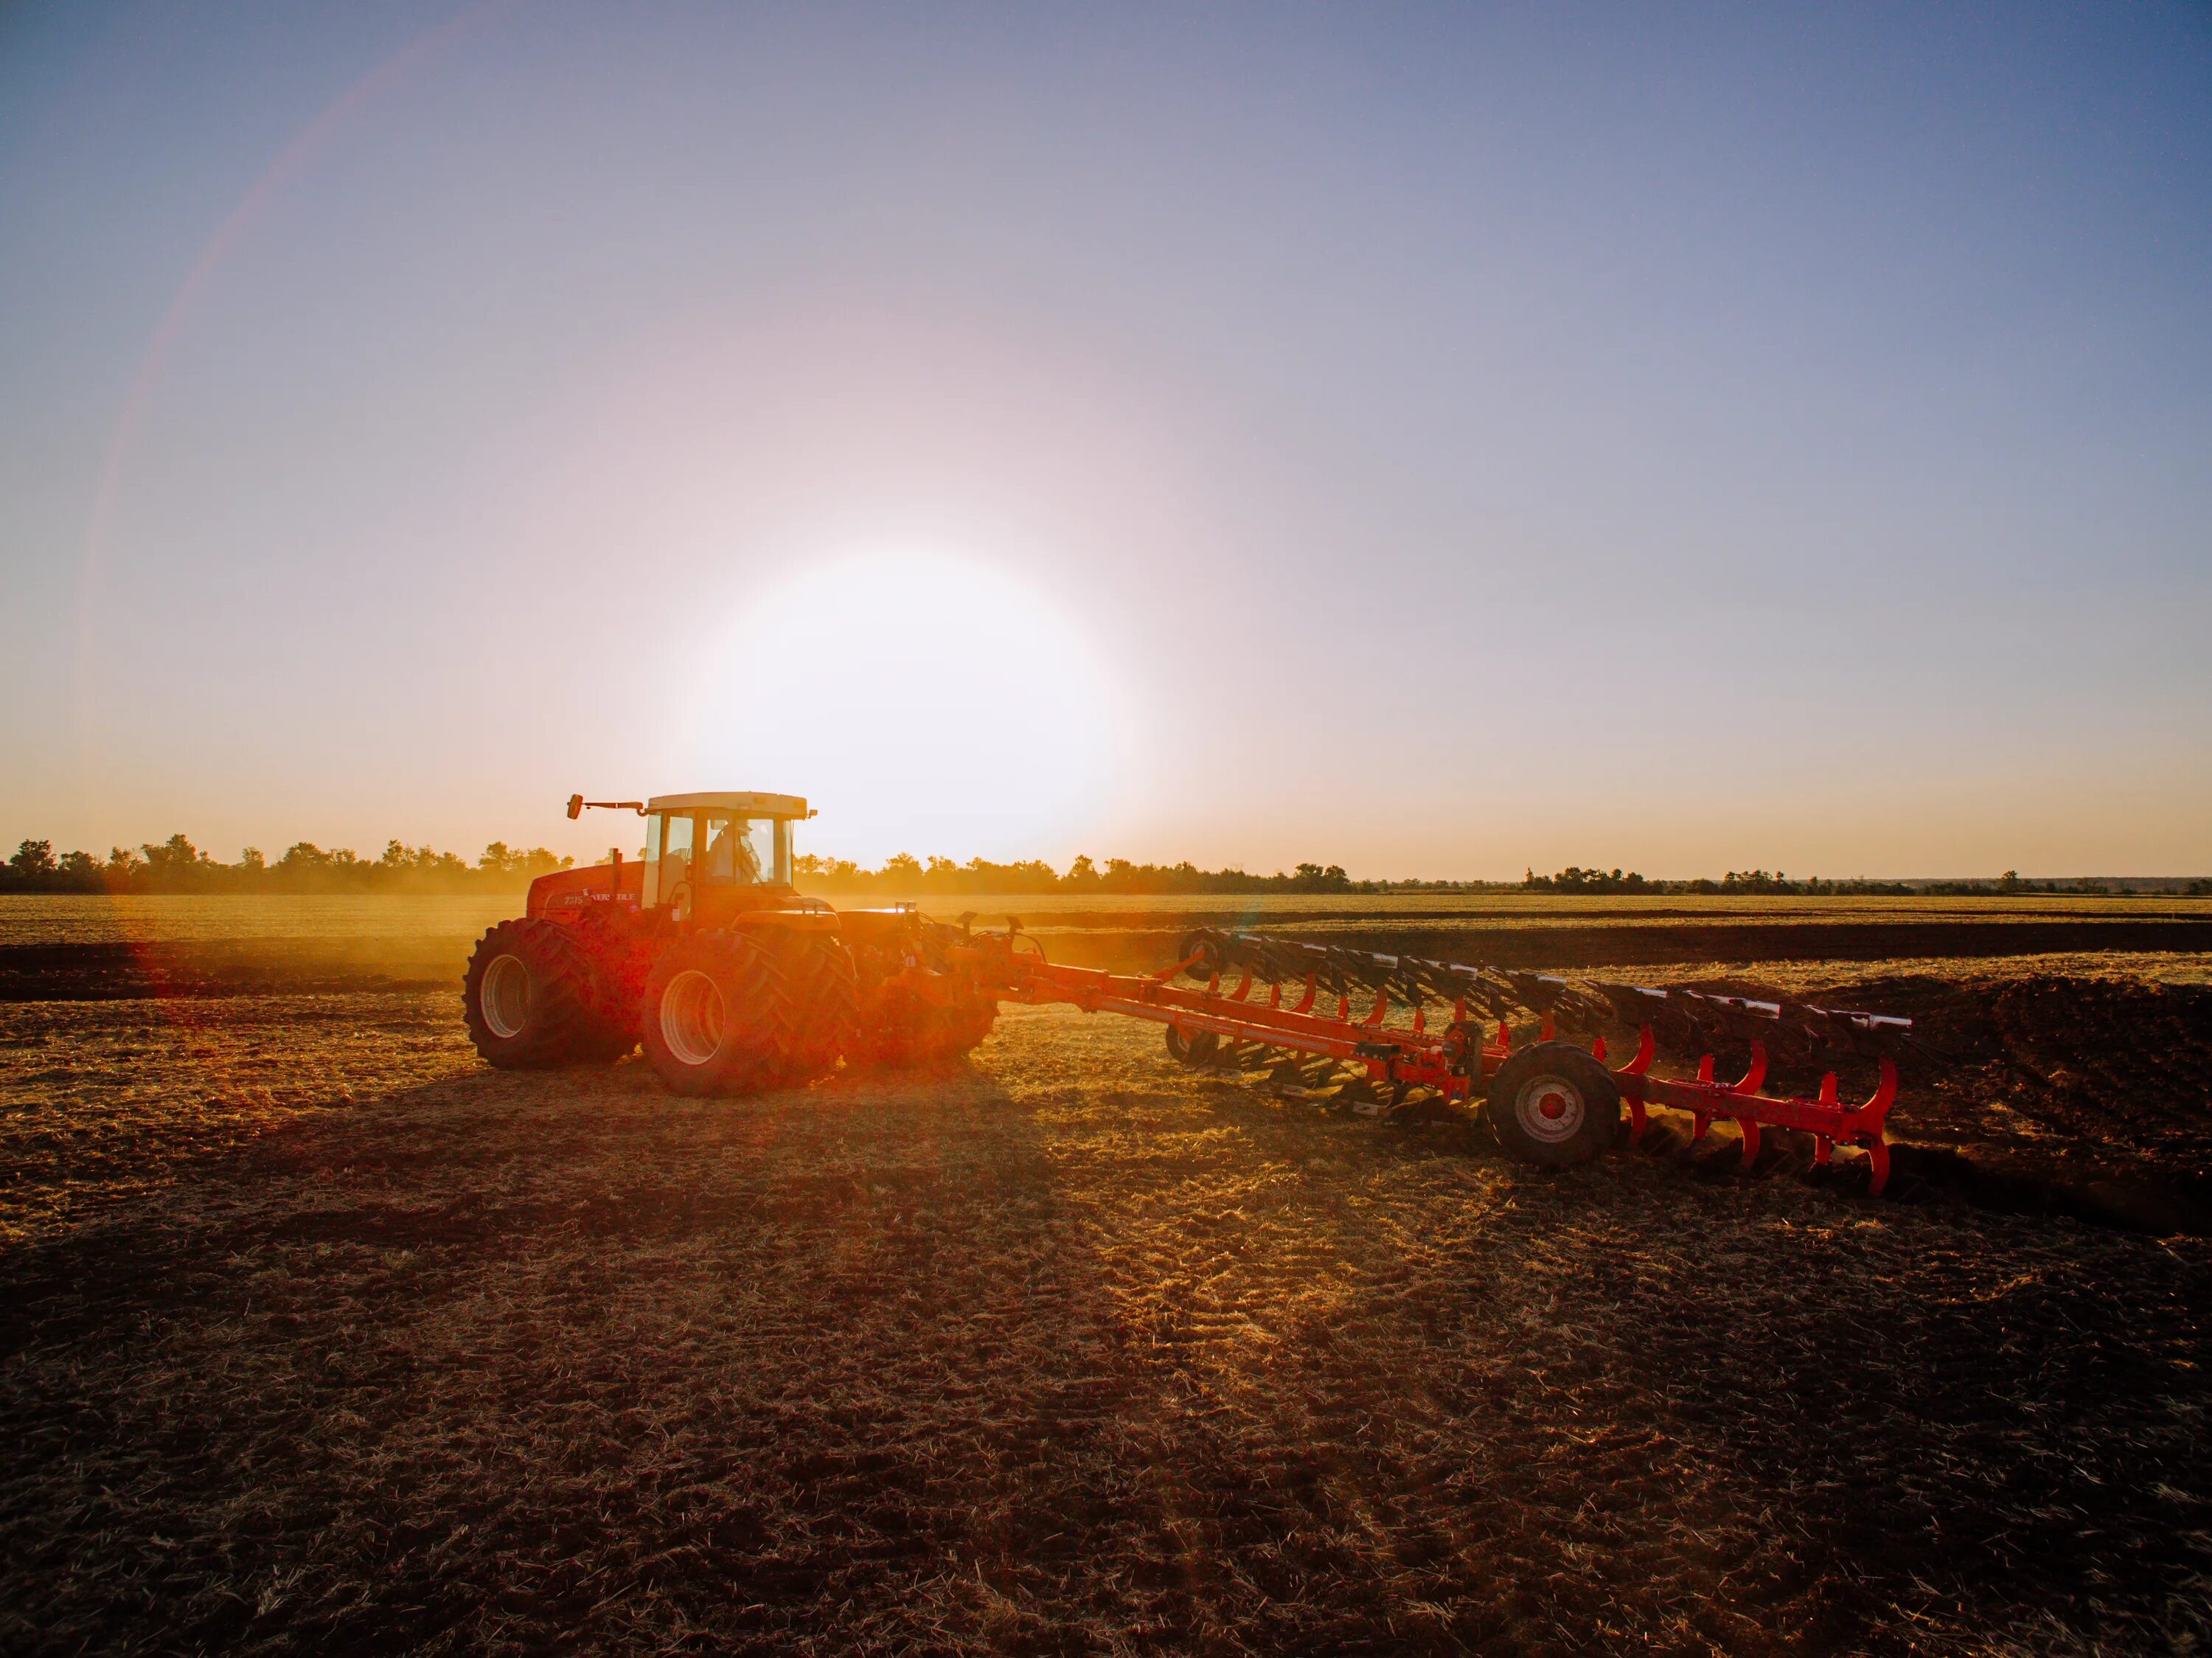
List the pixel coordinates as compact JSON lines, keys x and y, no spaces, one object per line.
{"x":71,"y":947}
{"x":316,"y":1335}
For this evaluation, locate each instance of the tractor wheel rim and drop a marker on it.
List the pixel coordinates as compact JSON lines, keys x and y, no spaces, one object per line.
{"x":693,"y":1017}
{"x":504,"y":996}
{"x":1549,"y":1109}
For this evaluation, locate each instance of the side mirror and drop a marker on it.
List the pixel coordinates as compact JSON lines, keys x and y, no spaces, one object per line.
{"x":575,"y":806}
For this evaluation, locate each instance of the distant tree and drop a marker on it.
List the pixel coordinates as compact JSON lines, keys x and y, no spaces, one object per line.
{"x":1754,"y":881}
{"x":34,"y":860}
{"x":307,"y":868}
{"x":1575,"y":879}
{"x":177,"y":866}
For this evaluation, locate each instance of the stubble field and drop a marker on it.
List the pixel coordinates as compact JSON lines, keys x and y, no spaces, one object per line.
{"x":315,"y":1336}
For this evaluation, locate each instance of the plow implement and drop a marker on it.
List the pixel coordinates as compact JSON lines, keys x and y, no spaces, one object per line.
{"x":1400,"y":1036}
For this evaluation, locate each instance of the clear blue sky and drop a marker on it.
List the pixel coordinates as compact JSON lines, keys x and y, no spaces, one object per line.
{"x":1461,"y":437}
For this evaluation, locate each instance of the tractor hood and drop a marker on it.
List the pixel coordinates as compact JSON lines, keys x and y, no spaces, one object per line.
{"x":567,"y":891}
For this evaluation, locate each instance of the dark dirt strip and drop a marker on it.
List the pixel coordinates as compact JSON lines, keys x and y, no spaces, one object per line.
{"x":106,"y":970}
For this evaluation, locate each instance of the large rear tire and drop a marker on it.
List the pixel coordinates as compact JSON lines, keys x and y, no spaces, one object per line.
{"x":717,"y":1016}
{"x":966,"y":1023}
{"x":908,"y":1032}
{"x":823,"y":987}
{"x":532,"y":998}
{"x":1553,"y":1105}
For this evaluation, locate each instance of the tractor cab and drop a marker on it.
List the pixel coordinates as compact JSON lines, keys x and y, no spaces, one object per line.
{"x":705,"y":856}
{"x":716,"y":855}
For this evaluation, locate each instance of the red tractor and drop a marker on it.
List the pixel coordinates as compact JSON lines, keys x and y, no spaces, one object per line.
{"x":705,"y":952}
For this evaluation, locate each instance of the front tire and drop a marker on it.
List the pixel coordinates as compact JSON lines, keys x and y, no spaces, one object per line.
{"x":717,"y":1016}
{"x":532,"y":998}
{"x":1553,"y":1105}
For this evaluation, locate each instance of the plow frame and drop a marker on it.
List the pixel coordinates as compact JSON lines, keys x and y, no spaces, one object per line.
{"x":1456,"y":1060}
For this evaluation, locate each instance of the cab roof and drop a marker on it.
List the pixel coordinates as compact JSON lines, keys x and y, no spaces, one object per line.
{"x":743,"y":806}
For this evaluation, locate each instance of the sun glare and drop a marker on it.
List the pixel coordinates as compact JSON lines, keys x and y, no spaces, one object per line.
{"x":921,"y":703}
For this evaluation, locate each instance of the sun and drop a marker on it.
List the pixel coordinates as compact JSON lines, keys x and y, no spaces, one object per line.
{"x":922,"y":703}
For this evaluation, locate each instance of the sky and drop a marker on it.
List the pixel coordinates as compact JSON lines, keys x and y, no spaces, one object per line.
{"x":1437,"y":441}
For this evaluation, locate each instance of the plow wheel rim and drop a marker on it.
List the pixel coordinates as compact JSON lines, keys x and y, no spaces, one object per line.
{"x":1191,"y":1048}
{"x":504,"y":996}
{"x":693,"y":1017}
{"x":1549,"y":1109}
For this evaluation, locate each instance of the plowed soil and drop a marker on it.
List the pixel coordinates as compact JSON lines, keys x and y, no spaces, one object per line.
{"x":316,"y":1337}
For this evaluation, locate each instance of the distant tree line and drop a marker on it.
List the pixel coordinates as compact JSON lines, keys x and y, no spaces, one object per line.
{"x":1573,"y":878}
{"x":906,"y":872}
{"x":177,"y":866}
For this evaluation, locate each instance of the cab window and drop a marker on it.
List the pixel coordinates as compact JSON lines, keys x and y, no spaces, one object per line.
{"x":667,"y":857}
{"x":739,"y":852}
